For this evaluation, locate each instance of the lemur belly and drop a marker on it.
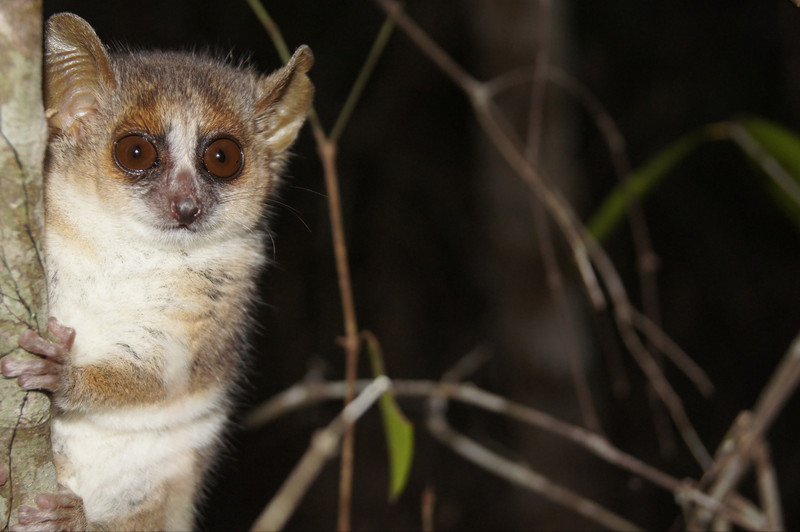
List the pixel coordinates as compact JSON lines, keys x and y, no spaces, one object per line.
{"x":115,"y":469}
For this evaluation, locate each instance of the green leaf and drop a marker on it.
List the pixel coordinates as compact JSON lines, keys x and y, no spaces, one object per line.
{"x":399,"y":443}
{"x":770,"y":143}
{"x":772,"y":148}
{"x":398,"y":430}
{"x":641,"y":182}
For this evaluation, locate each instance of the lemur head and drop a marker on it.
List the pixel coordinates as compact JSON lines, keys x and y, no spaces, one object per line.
{"x":182,"y":145}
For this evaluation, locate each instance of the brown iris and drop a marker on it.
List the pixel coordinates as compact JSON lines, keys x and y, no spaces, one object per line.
{"x":223,"y":158}
{"x":135,"y":153}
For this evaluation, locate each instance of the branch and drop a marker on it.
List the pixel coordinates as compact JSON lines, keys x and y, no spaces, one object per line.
{"x":547,"y":248}
{"x":327,"y":148}
{"x":304,"y":394}
{"x":735,"y":455}
{"x":587,"y":252}
{"x":524,"y":476}
{"x":767,"y":481}
{"x":324,"y":446}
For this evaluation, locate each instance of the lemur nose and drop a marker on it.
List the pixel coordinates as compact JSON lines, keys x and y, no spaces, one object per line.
{"x":185,"y":210}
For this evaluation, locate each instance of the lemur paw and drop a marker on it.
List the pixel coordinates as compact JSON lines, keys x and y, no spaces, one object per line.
{"x":53,"y":512}
{"x":45,"y":373}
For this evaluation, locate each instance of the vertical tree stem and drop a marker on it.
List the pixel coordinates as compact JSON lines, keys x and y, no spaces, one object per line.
{"x":26,"y":466}
{"x":327,"y":152}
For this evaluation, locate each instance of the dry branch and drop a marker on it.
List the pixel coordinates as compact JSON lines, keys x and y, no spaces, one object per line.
{"x":525,"y":477}
{"x":587,"y":252}
{"x":736,"y":451}
{"x":327,"y":146}
{"x":324,"y":446}
{"x":547,"y":247}
{"x":711,"y":502}
{"x":741,"y":512}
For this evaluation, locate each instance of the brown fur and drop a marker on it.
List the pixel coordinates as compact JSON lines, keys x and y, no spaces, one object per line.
{"x":174,"y":247}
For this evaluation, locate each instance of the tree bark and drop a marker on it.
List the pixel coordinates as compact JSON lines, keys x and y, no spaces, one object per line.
{"x":26,"y":466}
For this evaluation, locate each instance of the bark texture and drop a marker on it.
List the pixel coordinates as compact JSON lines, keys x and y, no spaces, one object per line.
{"x":25,"y":456}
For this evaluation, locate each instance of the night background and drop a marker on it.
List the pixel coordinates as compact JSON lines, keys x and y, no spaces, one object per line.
{"x":444,"y":255}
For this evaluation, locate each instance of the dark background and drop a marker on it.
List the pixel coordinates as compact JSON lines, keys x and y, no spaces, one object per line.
{"x":432,"y":267}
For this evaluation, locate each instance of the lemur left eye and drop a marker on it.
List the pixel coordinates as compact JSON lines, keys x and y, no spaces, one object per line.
{"x":223,"y":158}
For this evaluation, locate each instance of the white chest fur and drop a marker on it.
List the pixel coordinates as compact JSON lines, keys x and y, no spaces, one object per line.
{"x":136,"y":301}
{"x":115,"y":469}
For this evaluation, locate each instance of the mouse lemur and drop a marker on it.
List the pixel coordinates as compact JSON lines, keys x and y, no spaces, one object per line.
{"x":158,"y":171}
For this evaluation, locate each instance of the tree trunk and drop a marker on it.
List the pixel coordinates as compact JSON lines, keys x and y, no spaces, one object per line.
{"x":25,"y":455}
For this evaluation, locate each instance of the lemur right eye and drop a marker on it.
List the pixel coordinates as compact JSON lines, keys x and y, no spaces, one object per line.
{"x":223,"y":158}
{"x":135,"y":153}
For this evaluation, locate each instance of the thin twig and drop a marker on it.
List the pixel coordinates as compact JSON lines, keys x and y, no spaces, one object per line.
{"x":480,"y":97}
{"x":275,"y":35}
{"x":647,"y":261}
{"x":779,"y":388}
{"x":272,"y":29}
{"x":524,"y":476}
{"x":540,"y":74}
{"x":624,"y":314}
{"x":361,"y":81}
{"x":428,"y":508}
{"x":673,"y":351}
{"x":323,"y":447}
{"x":327,"y":148}
{"x":767,"y":480}
{"x":351,"y":343}
{"x":587,"y":252}
{"x":442,"y":60}
{"x":302,"y":394}
{"x":517,"y":473}
{"x":547,"y":248}
{"x":735,"y":451}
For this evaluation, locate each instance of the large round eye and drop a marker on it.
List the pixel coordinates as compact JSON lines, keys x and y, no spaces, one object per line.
{"x":223,"y":158}
{"x":135,"y":153}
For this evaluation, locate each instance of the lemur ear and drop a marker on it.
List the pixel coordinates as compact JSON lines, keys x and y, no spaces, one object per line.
{"x":286,"y":98}
{"x":77,"y":71}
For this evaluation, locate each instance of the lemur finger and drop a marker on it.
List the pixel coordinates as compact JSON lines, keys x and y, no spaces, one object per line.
{"x":62,"y":332}
{"x":30,"y":341}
